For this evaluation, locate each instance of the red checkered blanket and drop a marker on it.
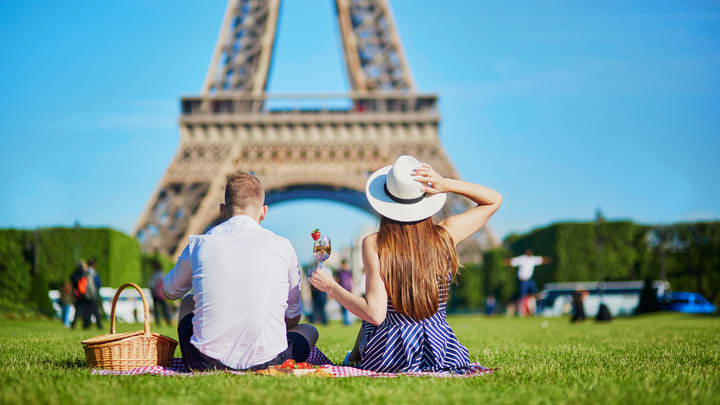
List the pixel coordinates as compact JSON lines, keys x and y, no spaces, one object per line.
{"x":317,"y":357}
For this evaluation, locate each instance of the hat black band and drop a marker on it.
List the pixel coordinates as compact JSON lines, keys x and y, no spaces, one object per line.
{"x":402,"y":200}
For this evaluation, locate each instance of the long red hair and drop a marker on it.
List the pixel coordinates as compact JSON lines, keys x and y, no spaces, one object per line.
{"x":415,"y":261}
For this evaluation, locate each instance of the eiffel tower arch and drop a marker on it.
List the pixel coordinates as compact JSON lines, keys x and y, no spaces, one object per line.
{"x":298,"y":145}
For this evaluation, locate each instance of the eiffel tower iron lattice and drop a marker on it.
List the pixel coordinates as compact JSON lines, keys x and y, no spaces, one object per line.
{"x":323,"y":151}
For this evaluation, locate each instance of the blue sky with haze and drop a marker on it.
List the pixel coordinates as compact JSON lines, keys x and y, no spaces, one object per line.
{"x":563,"y":106}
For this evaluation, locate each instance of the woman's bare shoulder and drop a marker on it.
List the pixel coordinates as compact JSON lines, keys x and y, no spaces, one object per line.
{"x":442,"y":225}
{"x":370,"y":241}
{"x":371,"y":258}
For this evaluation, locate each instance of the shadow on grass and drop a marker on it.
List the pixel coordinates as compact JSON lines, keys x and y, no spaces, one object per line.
{"x":67,"y":364}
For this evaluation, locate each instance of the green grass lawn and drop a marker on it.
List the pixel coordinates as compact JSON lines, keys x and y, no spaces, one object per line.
{"x":658,"y":358}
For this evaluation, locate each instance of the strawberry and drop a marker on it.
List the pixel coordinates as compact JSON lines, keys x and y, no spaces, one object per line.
{"x":289,"y":363}
{"x":315,"y":234}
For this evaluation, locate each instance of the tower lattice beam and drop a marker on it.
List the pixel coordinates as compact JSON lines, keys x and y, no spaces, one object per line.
{"x":374,"y":56}
{"x":243,"y":52}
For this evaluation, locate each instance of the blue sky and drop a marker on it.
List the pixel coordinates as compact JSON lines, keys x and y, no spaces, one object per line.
{"x":563,"y":106}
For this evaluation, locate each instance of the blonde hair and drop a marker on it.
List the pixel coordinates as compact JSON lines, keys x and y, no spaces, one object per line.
{"x":243,"y":191}
{"x":417,"y":262}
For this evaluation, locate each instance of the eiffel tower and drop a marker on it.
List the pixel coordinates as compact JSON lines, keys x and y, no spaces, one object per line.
{"x":298,"y":145}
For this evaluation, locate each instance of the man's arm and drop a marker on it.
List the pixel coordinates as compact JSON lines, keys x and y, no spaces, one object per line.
{"x":294,"y":304}
{"x":540,"y":260}
{"x":179,"y":280}
{"x":292,"y":322}
{"x":514,"y":262}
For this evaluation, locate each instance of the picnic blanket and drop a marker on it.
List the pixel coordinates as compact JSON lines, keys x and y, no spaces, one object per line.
{"x":316,"y":357}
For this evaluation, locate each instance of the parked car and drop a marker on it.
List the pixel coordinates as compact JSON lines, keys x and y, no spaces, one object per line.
{"x":689,"y":302}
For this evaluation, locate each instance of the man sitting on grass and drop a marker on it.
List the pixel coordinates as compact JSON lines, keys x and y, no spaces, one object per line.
{"x":245,"y":307}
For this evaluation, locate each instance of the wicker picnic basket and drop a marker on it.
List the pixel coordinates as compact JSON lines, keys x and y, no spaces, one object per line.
{"x":125,"y":351}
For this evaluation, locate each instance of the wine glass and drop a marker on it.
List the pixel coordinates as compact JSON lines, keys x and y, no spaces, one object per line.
{"x":322,"y":249}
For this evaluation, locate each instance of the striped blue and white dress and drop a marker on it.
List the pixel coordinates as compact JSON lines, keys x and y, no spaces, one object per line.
{"x":402,"y":344}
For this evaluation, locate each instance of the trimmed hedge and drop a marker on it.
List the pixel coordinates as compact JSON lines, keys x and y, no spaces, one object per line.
{"x":477,"y":281}
{"x":623,"y":250}
{"x":31,"y":261}
{"x":15,"y":269}
{"x":117,"y":254}
{"x":608,"y":251}
{"x":148,"y":260}
{"x":582,"y":251}
{"x":690,"y":254}
{"x":125,"y":260}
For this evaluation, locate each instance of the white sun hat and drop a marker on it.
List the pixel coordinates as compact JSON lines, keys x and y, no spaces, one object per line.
{"x":394,"y":193}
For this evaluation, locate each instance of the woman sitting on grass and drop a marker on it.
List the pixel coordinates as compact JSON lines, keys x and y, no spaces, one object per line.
{"x":409,"y":264}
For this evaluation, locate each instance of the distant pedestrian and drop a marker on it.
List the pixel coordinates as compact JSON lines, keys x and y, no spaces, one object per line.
{"x":528,"y":305}
{"x":603,"y":314}
{"x":79,"y":281}
{"x":160,"y":306}
{"x":648,"y":298}
{"x":66,"y":302}
{"x":345,"y":276}
{"x":490,"y":305}
{"x":319,"y":299}
{"x":526,"y":267}
{"x":578,"y":307}
{"x":93,"y":292}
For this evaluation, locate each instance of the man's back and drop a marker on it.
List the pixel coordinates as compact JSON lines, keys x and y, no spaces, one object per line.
{"x":243,"y":277}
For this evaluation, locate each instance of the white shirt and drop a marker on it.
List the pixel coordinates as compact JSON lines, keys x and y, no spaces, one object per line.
{"x":526,"y":265}
{"x":245,"y":281}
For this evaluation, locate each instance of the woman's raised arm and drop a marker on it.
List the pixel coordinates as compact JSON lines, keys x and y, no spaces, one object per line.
{"x":461,"y":226}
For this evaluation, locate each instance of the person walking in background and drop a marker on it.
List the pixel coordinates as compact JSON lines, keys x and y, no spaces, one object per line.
{"x":526,"y":267}
{"x":66,"y":302}
{"x":93,"y":293}
{"x":490,"y":305}
{"x":319,"y":300}
{"x":527,"y":287}
{"x":578,"y":307}
{"x":345,"y":277}
{"x":156,"y":289}
{"x":79,"y":282}
{"x":648,"y":298}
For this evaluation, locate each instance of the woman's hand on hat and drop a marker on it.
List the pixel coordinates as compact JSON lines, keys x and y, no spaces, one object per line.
{"x":428,"y":177}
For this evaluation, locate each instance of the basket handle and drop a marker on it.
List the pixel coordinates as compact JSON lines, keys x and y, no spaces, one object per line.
{"x":145,"y":307}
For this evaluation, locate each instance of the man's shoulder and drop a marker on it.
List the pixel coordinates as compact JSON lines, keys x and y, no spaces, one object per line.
{"x":278,"y":245}
{"x":279,"y":241}
{"x":264,"y":236}
{"x":217,"y":228}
